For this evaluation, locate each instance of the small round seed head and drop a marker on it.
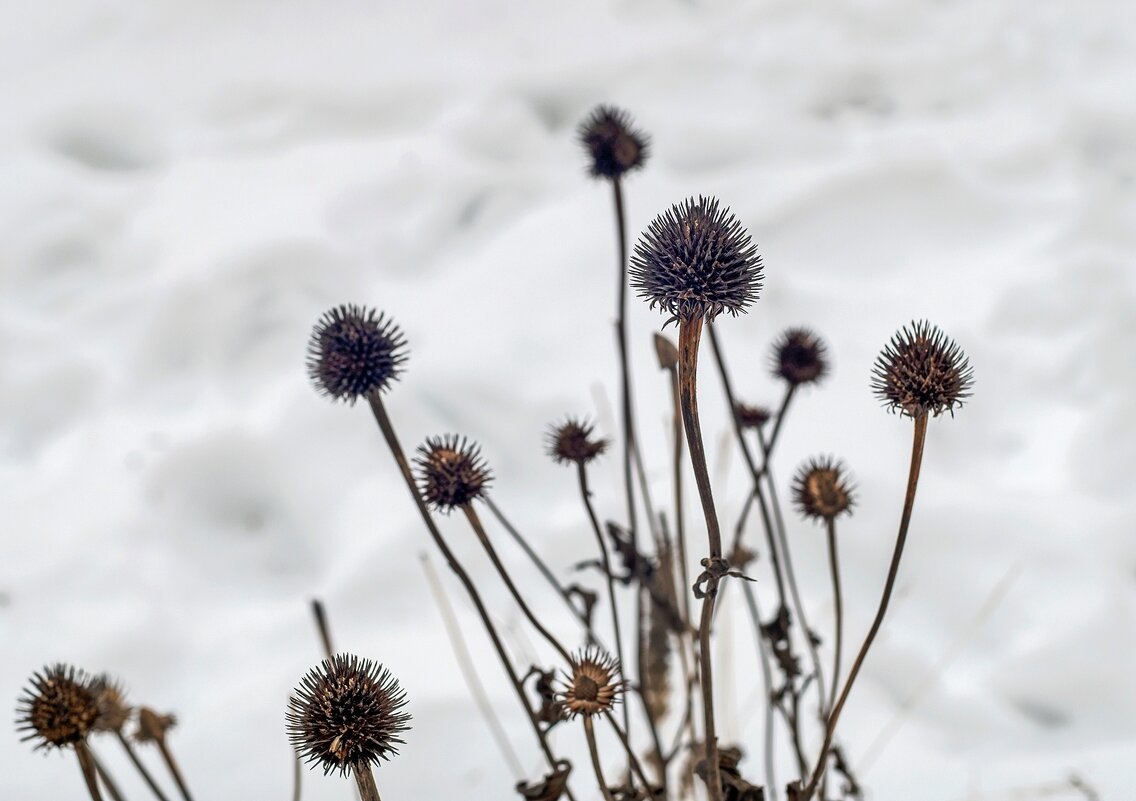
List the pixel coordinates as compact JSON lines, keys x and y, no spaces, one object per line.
{"x":800,"y":357}
{"x":613,"y":143}
{"x":354,"y":352}
{"x":451,"y":472}
{"x":922,"y":371}
{"x":751,"y":416}
{"x":152,"y":726}
{"x":114,"y":712}
{"x":821,"y":489}
{"x":593,"y":686}
{"x":696,"y":260}
{"x":346,"y":715}
{"x":58,"y":709}
{"x":572,"y":441}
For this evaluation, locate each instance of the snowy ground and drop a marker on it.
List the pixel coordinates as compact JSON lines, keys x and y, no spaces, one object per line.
{"x":187,"y":186}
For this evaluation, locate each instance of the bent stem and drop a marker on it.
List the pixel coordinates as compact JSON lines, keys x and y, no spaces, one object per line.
{"x":838,"y":601}
{"x":475,"y":523}
{"x":149,"y":779}
{"x":87,"y":766}
{"x":368,"y":790}
{"x":689,"y":334}
{"x":383,"y":420}
{"x":919,"y":438}
{"x":590,"y":734}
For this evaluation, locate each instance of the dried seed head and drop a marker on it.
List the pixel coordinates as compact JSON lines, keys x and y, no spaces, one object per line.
{"x":354,"y":352}
{"x":613,"y":143}
{"x":114,"y":712}
{"x":821,"y":489}
{"x":451,"y":472}
{"x":59,"y":709}
{"x":751,"y":416}
{"x":666,"y":352}
{"x":799,"y":356}
{"x":921,"y":371}
{"x":152,"y":726}
{"x":571,"y":441}
{"x":696,"y":260}
{"x":346,"y":715}
{"x":593,"y":685}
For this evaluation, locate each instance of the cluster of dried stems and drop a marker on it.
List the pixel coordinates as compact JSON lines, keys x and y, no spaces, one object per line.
{"x":694,"y":262}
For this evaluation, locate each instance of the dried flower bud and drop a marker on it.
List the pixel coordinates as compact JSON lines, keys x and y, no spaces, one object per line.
{"x":696,"y":260}
{"x":551,"y":787}
{"x":572,"y":442}
{"x":114,"y":712}
{"x":921,"y":371}
{"x":614,"y":145}
{"x":751,"y":416}
{"x":59,"y":709}
{"x":593,"y":685}
{"x":799,"y":356}
{"x":346,"y":715}
{"x":152,"y":726}
{"x":354,"y":352}
{"x":821,"y":489}
{"x":666,"y":352}
{"x":451,"y":472}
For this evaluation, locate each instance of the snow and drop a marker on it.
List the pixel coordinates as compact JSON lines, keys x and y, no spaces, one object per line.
{"x":189,"y":185}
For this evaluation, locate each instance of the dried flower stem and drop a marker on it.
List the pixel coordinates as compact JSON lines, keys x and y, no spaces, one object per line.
{"x":469,"y":673}
{"x":635,"y":765}
{"x":590,"y":734}
{"x":323,"y":627}
{"x":838,"y":601}
{"x":105,"y":777}
{"x":171,"y":763}
{"x":790,"y":390}
{"x":689,"y":334}
{"x":767,"y":684}
{"x":919,"y":439}
{"x":297,"y":778}
{"x":146,"y":776}
{"x":384,"y":423}
{"x":365,"y":780}
{"x":87,"y":766}
{"x":475,"y":523}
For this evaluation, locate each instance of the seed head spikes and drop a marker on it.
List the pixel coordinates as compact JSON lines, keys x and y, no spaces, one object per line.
{"x":922,"y":372}
{"x":451,"y":472}
{"x":696,"y":261}
{"x":59,"y":709}
{"x":751,"y":417}
{"x":346,"y":715}
{"x":799,"y":356}
{"x":821,"y":490}
{"x":613,"y":143}
{"x":593,"y":686}
{"x":354,"y":352}
{"x":572,"y":442}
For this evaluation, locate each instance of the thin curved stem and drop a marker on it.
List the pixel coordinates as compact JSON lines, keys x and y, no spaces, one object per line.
{"x":171,"y":763}
{"x":87,"y":766}
{"x":105,"y":777}
{"x":368,"y":790}
{"x":919,"y":439}
{"x":322,"y":627}
{"x":297,"y":778}
{"x":838,"y":601}
{"x":475,"y":523}
{"x":590,"y":734}
{"x":635,"y":765}
{"x":146,"y":776}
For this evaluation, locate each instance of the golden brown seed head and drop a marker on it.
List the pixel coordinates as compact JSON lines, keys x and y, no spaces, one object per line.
{"x":114,"y":712}
{"x":153,"y":726}
{"x":922,"y":371}
{"x":451,"y":472}
{"x":821,"y":489}
{"x":59,"y":709}
{"x":593,"y":685}
{"x":572,"y":442}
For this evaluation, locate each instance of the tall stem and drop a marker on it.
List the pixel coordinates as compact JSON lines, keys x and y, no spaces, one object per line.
{"x":635,"y":766}
{"x":767,"y":684}
{"x":919,"y":438}
{"x":479,"y":530}
{"x":322,"y":627}
{"x":590,"y":734}
{"x":383,"y":420}
{"x":368,"y":790}
{"x":105,"y":777}
{"x":171,"y":763}
{"x":838,"y":601}
{"x":689,"y":334}
{"x":624,"y":360}
{"x":87,"y":766}
{"x":146,"y":776}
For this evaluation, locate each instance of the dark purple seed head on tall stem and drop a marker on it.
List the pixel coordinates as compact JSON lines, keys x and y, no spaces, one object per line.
{"x":451,"y":472}
{"x":573,"y":441}
{"x":799,"y":356}
{"x":355,"y":352}
{"x":613,"y":143}
{"x":922,"y":372}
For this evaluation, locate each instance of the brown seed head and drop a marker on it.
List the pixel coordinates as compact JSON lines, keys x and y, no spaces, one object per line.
{"x":152,"y":726}
{"x":354,"y":352}
{"x":59,"y":709}
{"x":114,"y":712}
{"x":572,"y":442}
{"x":799,"y":356}
{"x":821,"y":489}
{"x":751,"y":416}
{"x":346,"y":715}
{"x":696,"y":260}
{"x":451,"y":472}
{"x":922,"y":371}
{"x":593,"y":685}
{"x":614,"y":145}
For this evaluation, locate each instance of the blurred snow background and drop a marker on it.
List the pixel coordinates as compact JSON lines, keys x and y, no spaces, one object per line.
{"x":187,"y":186}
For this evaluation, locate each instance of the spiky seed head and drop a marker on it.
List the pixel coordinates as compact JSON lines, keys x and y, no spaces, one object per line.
{"x":922,"y":371}
{"x":355,"y":352}
{"x":696,"y":260}
{"x":593,"y":686}
{"x":346,"y":715}
{"x":613,"y":143}
{"x":152,"y":726}
{"x":800,"y":357}
{"x":572,"y":442}
{"x":751,"y":416}
{"x":114,"y":712}
{"x":821,"y":489}
{"x":59,"y":709}
{"x":451,"y":472}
